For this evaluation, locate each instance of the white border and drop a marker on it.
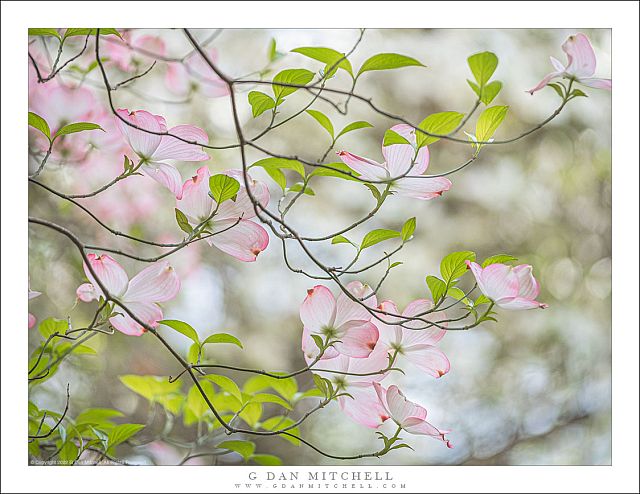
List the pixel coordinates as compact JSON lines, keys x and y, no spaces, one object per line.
{"x":622,"y":17}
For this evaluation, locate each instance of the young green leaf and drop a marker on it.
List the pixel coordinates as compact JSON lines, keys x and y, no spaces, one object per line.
{"x":182,"y":327}
{"x":223,"y":187}
{"x":280,"y":422}
{"x":339,"y":239}
{"x":267,"y":460}
{"x":77,"y":127}
{"x":437,"y":123}
{"x":260,"y":103}
{"x":377,"y":236}
{"x":243,"y":448}
{"x":39,"y":123}
{"x":104,"y":31}
{"x":120,"y":433}
{"x":301,"y":187}
{"x":437,"y":288}
{"x":183,"y":222}
{"x":453,"y":265}
{"x":296,"y":77}
{"x":490,"y":91}
{"x":483,"y":65}
{"x":498,"y":258}
{"x":270,"y":398}
{"x":274,"y":167}
{"x":489,"y":121}
{"x":387,"y":61}
{"x":407,"y":229}
{"x":222,"y":338}
{"x":391,"y":137}
{"x":51,"y":326}
{"x":97,"y":416}
{"x":328,"y":56}
{"x":337,"y":170}
{"x":360,"y":124}
{"x":226,"y":384}
{"x":323,"y":120}
{"x":150,"y":387}
{"x":44,"y":31}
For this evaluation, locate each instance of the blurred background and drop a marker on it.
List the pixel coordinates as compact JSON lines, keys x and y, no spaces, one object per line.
{"x":533,"y":389}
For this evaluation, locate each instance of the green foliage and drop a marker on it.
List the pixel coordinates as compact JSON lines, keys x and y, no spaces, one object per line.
{"x":52,"y":326}
{"x":77,"y":127}
{"x":274,"y":167}
{"x":243,"y":448}
{"x":454,"y":265}
{"x":287,"y":388}
{"x":498,"y":258}
{"x":267,"y":460}
{"x":482,"y":66}
{"x":437,"y":123}
{"x":323,"y":120}
{"x":183,"y":222}
{"x":408,"y":228}
{"x":39,"y":123}
{"x":226,"y":384}
{"x":156,"y":389}
{"x":328,"y":56}
{"x":437,"y":287}
{"x":489,"y":121}
{"x":223,"y":187}
{"x":121,"y":433}
{"x":44,"y":31}
{"x":181,"y":327}
{"x":269,"y":398}
{"x":98,"y":417}
{"x":391,"y":137}
{"x":302,"y":187}
{"x":222,"y":338}
{"x":360,"y":124}
{"x":104,"y":31}
{"x":377,"y":236}
{"x":296,"y":77}
{"x":260,"y":103}
{"x":281,"y":422}
{"x":387,"y":61}
{"x":337,"y":170}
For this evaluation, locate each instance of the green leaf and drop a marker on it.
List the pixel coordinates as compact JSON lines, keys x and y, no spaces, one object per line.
{"x":340,"y":239}
{"x":196,"y":406}
{"x":226,"y":384}
{"x":374,"y":191}
{"x":222,"y":338}
{"x":377,"y":236}
{"x":194,"y":353}
{"x":51,"y":325}
{"x":286,"y":387}
{"x":280,"y":422}
{"x":437,"y":123}
{"x":77,"y":127}
{"x":183,"y":222}
{"x":407,"y":229}
{"x":360,"y":124}
{"x":44,"y":31}
{"x":182,"y":327}
{"x":301,"y":186}
{"x":84,"y":350}
{"x":272,"y":52}
{"x":223,"y":187}
{"x":251,"y":413}
{"x":260,"y":103}
{"x":498,"y":258}
{"x":489,"y":121}
{"x":483,"y":65}
{"x":391,"y":137}
{"x":104,"y":31}
{"x":328,"y":56}
{"x":437,"y":288}
{"x":274,"y":167}
{"x":453,"y":265}
{"x":387,"y":61}
{"x":97,"y":416}
{"x":458,"y":294}
{"x":557,"y":88}
{"x":270,"y":398}
{"x":337,"y":170}
{"x":68,"y":453}
{"x":577,"y":92}
{"x":481,"y":300}
{"x":490,"y":91}
{"x":323,"y":120}
{"x":267,"y":460}
{"x":298,"y":77}
{"x":39,"y":123}
{"x":120,"y":433}
{"x":150,"y":387}
{"x":475,"y":87}
{"x":243,"y":448}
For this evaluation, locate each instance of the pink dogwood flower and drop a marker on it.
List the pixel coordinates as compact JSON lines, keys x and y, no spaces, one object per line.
{"x":510,"y":288}
{"x":32,"y":318}
{"x":581,"y":65}
{"x":140,"y":50}
{"x":342,"y":321}
{"x":363,"y":406}
{"x":195,"y":74}
{"x":417,"y":346}
{"x":154,"y":149}
{"x":408,"y":415}
{"x":399,"y":162}
{"x":154,"y":284}
{"x":235,"y":233}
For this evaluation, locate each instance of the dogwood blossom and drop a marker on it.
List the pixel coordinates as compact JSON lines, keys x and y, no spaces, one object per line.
{"x":399,"y":162}
{"x":195,"y":74}
{"x":408,"y":415}
{"x":32,"y":318}
{"x":509,"y":287}
{"x":235,"y":233}
{"x":581,"y":65}
{"x":153,"y":149}
{"x":154,"y":284}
